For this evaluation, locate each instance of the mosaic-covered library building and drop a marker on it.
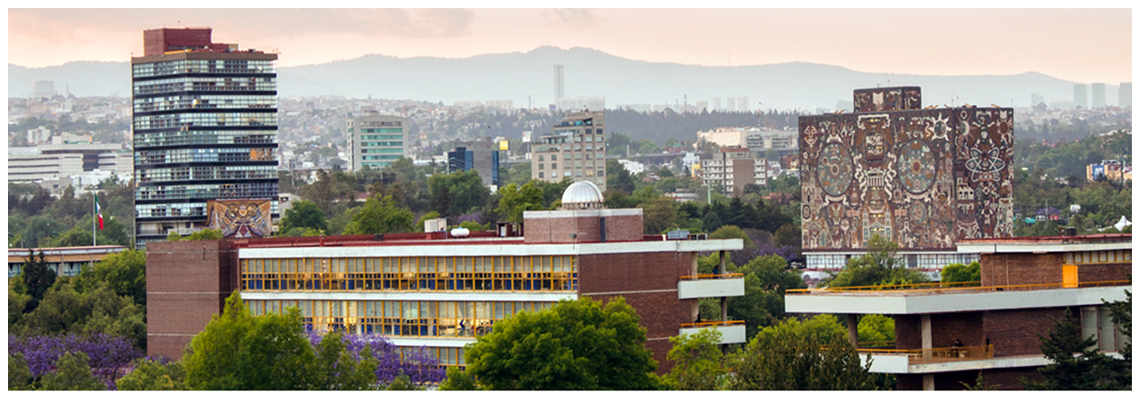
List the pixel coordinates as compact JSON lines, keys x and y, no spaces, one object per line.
{"x":923,"y":178}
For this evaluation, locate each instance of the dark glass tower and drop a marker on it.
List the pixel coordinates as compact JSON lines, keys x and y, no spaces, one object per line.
{"x":205,"y":128}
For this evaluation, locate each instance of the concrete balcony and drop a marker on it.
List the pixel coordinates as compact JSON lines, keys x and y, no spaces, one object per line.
{"x":702,"y":286}
{"x":730,"y":331}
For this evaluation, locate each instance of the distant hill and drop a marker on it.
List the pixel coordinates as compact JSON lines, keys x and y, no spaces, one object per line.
{"x":514,"y":76}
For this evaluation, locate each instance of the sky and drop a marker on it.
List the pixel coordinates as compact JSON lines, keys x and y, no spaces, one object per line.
{"x":1081,"y":45}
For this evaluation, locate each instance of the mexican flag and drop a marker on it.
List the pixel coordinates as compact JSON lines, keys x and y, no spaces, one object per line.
{"x":98,"y":211}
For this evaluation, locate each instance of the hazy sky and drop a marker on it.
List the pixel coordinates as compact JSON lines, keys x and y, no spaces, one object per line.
{"x":1083,"y":45}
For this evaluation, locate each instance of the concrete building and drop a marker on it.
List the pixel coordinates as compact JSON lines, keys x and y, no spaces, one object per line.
{"x":43,"y":89}
{"x":1125,"y":94}
{"x":947,"y":335}
{"x":575,"y":150}
{"x":59,"y":164}
{"x":1081,"y":95}
{"x":733,"y":169}
{"x":725,"y":137}
{"x":923,"y":178}
{"x":582,"y":103}
{"x":65,"y":261}
{"x":1098,"y":95}
{"x":559,"y":84}
{"x":205,"y":129}
{"x":439,"y":292}
{"x":377,"y":140}
{"x":1035,"y":99}
{"x":762,"y":140}
{"x":482,"y":156}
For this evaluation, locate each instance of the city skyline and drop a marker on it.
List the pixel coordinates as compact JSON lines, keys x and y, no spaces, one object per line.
{"x":1081,"y":45}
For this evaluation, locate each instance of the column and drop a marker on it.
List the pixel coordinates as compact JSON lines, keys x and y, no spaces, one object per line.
{"x":927,"y":339}
{"x":927,"y":381}
{"x":723,"y":300}
{"x":853,"y":330}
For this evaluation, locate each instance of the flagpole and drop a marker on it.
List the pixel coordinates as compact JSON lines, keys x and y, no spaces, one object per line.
{"x":94,"y":216}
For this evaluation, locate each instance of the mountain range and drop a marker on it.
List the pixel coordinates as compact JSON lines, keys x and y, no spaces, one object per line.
{"x":588,"y":72}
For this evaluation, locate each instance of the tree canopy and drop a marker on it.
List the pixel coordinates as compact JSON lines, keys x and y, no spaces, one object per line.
{"x":304,"y":214}
{"x":380,"y":215}
{"x":575,"y":345}
{"x":814,"y":355}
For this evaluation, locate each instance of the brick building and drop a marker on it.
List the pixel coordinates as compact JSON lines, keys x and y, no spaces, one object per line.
{"x":437,"y":291}
{"x":924,"y":178}
{"x":1027,"y":283}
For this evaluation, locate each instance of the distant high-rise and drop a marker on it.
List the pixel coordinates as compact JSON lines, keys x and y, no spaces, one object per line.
{"x":1035,"y":99}
{"x":1081,"y":95}
{"x":716,"y":104}
{"x":559,"y":89}
{"x":1098,"y":97}
{"x":744,"y":104}
{"x":375,"y":140}
{"x":43,"y":89}
{"x":482,"y":156}
{"x":1125,"y":94}
{"x":731,"y":104}
{"x":575,"y":150}
{"x":205,"y":136}
{"x":702,"y":106}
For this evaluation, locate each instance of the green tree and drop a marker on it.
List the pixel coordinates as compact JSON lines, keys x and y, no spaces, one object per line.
{"x":876,"y":328}
{"x":211,"y":359}
{"x":19,"y":374}
{"x":1074,"y":364}
{"x":304,"y":214}
{"x":731,"y":232}
{"x":766,"y":280}
{"x":273,"y":355}
{"x":456,"y":380}
{"x":36,"y":277}
{"x":457,"y":193}
{"x":71,"y":308}
{"x":814,"y":355}
{"x":153,"y":375}
{"x":124,"y":272}
{"x":72,"y":373}
{"x":962,"y":273}
{"x":1121,"y":313}
{"x":380,"y":215}
{"x":617,"y":177}
{"x":698,"y":362}
{"x":576,"y":345}
{"x":205,"y":234}
{"x":515,"y":200}
{"x":879,"y":266}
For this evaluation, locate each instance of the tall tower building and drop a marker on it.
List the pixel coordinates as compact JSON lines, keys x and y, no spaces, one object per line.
{"x":1125,"y":94}
{"x":1098,"y":97}
{"x":575,"y":150}
{"x":375,"y":140}
{"x":731,"y":104}
{"x":559,"y":89}
{"x":744,"y":104}
{"x":205,"y":136}
{"x":1081,"y":95}
{"x":716,"y":104}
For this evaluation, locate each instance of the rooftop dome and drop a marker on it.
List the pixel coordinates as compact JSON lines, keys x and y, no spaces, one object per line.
{"x":582,"y":196}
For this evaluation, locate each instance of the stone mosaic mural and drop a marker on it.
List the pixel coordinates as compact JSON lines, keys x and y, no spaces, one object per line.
{"x":923,"y":178}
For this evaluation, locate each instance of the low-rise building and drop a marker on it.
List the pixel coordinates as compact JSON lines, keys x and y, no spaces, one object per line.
{"x":65,"y":261}
{"x":437,"y":292}
{"x":947,"y":334}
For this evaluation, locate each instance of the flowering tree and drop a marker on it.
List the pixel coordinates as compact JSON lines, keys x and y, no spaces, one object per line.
{"x":107,"y":356}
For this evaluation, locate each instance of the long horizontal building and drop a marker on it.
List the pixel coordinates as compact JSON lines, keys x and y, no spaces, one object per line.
{"x":438,"y":292}
{"x":946,"y":335}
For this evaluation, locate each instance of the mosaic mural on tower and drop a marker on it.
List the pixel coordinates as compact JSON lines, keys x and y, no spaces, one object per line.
{"x":241,"y":218}
{"x":924,"y":178}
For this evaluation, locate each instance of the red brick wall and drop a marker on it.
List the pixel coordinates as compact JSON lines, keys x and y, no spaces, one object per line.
{"x":1020,"y":269}
{"x":1014,"y":332}
{"x":908,"y":332}
{"x":966,"y":327}
{"x":648,"y":282}
{"x":187,"y":283}
{"x":1103,"y":272}
{"x":619,"y":228}
{"x":996,"y":379}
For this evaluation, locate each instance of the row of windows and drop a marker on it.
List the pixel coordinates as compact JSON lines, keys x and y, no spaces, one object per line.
{"x":567,"y":147}
{"x":170,"y":210}
{"x":166,"y":103}
{"x":400,"y":318}
{"x":204,"y":66}
{"x":382,"y":123}
{"x":150,"y":157}
{"x":253,"y":190}
{"x":382,"y":137}
{"x":375,"y":165}
{"x":376,"y":144}
{"x":204,"y":84}
{"x":389,"y":151}
{"x":211,"y":119}
{"x":390,"y":157}
{"x":1098,"y":257}
{"x":413,"y":264}
{"x":419,"y":281}
{"x":567,"y":173}
{"x":383,"y":130}
{"x":183,"y":137}
{"x":206,"y":173}
{"x":577,"y":165}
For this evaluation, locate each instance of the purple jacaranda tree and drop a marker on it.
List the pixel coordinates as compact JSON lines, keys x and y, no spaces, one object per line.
{"x":109,"y":356}
{"x":421,"y":369}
